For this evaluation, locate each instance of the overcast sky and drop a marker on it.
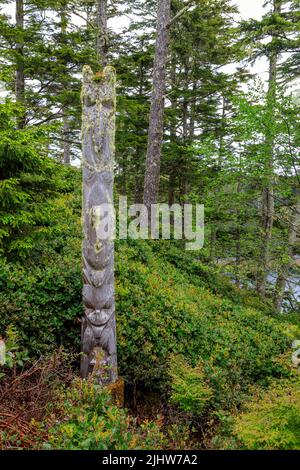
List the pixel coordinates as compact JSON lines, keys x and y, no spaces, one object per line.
{"x":254,"y":9}
{"x":250,"y":8}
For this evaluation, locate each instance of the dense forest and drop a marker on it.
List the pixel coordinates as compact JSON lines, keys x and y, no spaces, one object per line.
{"x":166,"y":94}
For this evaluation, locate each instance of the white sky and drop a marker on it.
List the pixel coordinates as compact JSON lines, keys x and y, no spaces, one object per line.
{"x":253,"y":9}
{"x":250,"y":8}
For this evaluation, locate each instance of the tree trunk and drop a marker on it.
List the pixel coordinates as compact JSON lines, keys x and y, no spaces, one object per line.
{"x":213,"y":242}
{"x":283,"y":274}
{"x":268,"y":190}
{"x":193,"y":112}
{"x":140,"y":148}
{"x":66,"y":141}
{"x":156,"y":124}
{"x":173,"y":169}
{"x":221,"y":134}
{"x":185,"y":110}
{"x":98,"y":134}
{"x":20,"y":79}
{"x":238,"y":234}
{"x":138,"y":183}
{"x":66,"y":125}
{"x":138,"y":179}
{"x":185,"y":137}
{"x":102,"y":32}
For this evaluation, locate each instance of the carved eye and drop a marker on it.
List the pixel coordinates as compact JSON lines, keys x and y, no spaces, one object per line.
{"x":87,"y":297}
{"x":89,"y":100}
{"x":88,"y":303}
{"x":107,"y":177}
{"x":107,"y":305}
{"x":88,"y":174}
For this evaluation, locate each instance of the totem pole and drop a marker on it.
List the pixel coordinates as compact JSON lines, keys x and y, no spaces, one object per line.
{"x":98,"y":336}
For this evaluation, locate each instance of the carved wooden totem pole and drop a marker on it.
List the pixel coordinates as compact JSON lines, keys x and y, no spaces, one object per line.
{"x":99,"y":354}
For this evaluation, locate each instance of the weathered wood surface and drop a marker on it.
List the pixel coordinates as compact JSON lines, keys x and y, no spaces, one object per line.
{"x":99,"y":353}
{"x":156,"y":122}
{"x":102,"y":32}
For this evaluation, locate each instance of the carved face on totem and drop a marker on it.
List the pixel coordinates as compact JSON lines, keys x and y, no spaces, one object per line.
{"x":98,"y":259}
{"x":99,"y":317}
{"x":99,"y":303}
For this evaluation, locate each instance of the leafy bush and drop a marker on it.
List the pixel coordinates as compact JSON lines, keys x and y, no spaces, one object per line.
{"x":190,"y":390}
{"x":93,"y":422}
{"x":14,"y":355}
{"x":166,"y":302}
{"x":163,"y":310}
{"x":43,"y":303}
{"x":272,"y":420}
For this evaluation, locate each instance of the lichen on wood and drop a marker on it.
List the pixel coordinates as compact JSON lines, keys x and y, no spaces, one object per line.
{"x":99,"y":354}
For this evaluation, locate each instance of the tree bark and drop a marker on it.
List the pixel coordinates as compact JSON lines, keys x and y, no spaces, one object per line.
{"x":66,"y":141}
{"x":213,"y":242}
{"x":66,"y":124}
{"x":99,"y":352}
{"x":156,"y":124}
{"x":185,"y":110}
{"x":221,"y":134}
{"x":283,"y":274}
{"x":173,"y":172}
{"x":185,"y":135}
{"x":268,"y":191}
{"x":140,"y":147}
{"x":20,"y":79}
{"x":193,"y":112}
{"x":138,"y":180}
{"x":102,"y":32}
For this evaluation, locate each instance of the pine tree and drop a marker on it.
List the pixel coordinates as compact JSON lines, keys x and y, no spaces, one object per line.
{"x":277,"y":26}
{"x":156,"y":120}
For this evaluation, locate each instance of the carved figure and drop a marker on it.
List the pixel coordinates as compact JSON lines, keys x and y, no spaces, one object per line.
{"x":98,"y":337}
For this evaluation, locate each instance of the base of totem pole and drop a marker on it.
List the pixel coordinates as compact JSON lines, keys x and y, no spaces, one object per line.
{"x":117,"y":392}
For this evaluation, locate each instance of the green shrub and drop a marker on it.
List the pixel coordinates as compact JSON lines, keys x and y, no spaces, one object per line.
{"x":14,"y":355}
{"x":167,"y":303}
{"x":92,"y":422}
{"x":161,"y":311}
{"x":190,"y":390}
{"x":30,"y":181}
{"x":272,"y":420}
{"x":43,"y":303}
